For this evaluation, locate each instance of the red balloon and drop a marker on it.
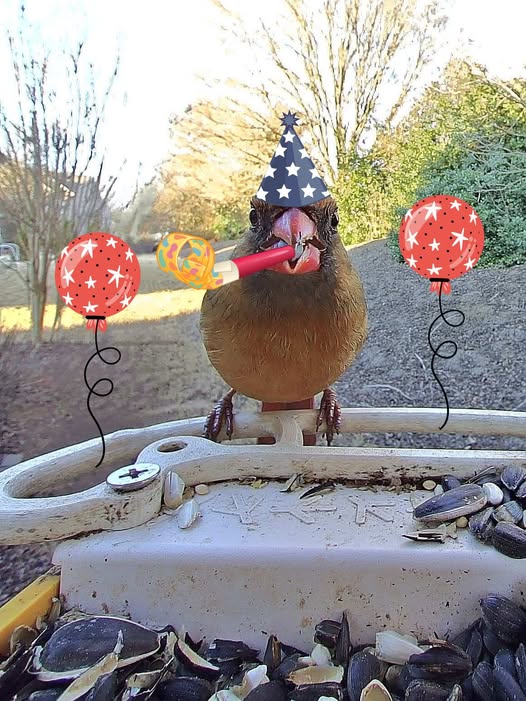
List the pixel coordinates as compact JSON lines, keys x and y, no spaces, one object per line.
{"x":441,"y":238}
{"x":97,"y":275}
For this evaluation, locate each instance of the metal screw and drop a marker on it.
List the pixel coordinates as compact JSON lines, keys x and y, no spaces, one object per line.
{"x":130,"y":478}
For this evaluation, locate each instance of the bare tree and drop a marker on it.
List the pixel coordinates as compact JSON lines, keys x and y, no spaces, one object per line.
{"x":129,"y":221}
{"x":52,"y":181}
{"x":345,"y":65}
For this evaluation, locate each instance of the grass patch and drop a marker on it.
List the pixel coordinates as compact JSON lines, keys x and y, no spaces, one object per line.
{"x":145,"y":307}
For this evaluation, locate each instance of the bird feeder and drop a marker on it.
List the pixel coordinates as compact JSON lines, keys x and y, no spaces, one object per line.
{"x":246,"y":561}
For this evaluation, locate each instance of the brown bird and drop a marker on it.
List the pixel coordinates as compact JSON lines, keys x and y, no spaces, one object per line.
{"x":287,"y":333}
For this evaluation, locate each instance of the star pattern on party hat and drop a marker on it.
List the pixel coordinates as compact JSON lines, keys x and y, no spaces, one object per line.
{"x":291,"y":180}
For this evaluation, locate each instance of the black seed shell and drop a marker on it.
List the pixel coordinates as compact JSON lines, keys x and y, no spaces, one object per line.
{"x":460,"y":501}
{"x":225,"y":650}
{"x":510,"y":540}
{"x":363,"y":668}
{"x":482,"y":681}
{"x":450,"y":482}
{"x":45,"y":695}
{"x":504,"y":618}
{"x":272,"y":656}
{"x":83,"y":642}
{"x":286,"y":666}
{"x":520,"y":666}
{"x":506,"y":687}
{"x":271,"y":691}
{"x":506,"y":660}
{"x":444,"y":662}
{"x":482,"y":524}
{"x":474,"y":648}
{"x":343,"y":643}
{"x":492,"y":644}
{"x":424,"y":690}
{"x":512,"y":476}
{"x":197,"y":664}
{"x":188,"y":688}
{"x":510,"y":512}
{"x":312,"y":692}
{"x":326,"y":633}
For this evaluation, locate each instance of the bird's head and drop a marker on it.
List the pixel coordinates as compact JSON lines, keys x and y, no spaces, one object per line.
{"x":314,"y":227}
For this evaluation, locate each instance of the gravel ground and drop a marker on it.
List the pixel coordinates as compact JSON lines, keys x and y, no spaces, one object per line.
{"x":165,"y":373}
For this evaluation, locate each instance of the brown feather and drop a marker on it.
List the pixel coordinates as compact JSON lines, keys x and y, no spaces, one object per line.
{"x":284,"y":338}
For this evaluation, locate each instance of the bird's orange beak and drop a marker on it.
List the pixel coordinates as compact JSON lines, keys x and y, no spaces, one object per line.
{"x":293,"y":227}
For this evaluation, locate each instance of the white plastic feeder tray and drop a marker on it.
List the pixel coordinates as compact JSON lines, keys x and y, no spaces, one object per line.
{"x":262,"y":561}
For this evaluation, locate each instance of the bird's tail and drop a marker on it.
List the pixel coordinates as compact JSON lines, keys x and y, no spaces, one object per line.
{"x":308,"y":438}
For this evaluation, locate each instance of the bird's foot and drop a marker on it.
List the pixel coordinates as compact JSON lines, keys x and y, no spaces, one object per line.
{"x":330,"y":412}
{"x":223,"y":412}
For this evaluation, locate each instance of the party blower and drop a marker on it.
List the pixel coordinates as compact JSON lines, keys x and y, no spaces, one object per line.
{"x":199,"y":270}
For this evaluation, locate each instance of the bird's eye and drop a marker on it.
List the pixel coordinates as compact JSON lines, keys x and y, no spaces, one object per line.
{"x":335,"y":220}
{"x":253,"y":217}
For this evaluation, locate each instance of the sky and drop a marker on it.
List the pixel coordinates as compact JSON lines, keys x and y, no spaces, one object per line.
{"x":165,"y":45}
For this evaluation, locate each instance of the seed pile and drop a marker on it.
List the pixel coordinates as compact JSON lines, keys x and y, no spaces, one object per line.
{"x":495,"y":505}
{"x":106,"y":658}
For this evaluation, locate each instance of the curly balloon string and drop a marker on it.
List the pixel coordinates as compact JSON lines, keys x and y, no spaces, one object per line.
{"x":92,"y":388}
{"x":453,"y":346}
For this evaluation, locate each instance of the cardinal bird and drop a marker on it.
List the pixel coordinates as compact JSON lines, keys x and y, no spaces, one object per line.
{"x":286,"y":333}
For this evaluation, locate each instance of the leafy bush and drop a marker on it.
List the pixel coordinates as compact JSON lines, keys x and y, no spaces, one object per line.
{"x":481,"y":159}
{"x":491,"y":177}
{"x":230,"y":220}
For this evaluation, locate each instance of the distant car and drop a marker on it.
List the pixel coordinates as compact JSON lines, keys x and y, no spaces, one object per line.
{"x":157,"y":239}
{"x":9,"y":253}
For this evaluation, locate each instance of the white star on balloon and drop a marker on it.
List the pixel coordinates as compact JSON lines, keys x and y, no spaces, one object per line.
{"x":280,"y":151}
{"x":292,"y":169}
{"x":284,"y":191}
{"x":288,"y":137}
{"x":433,"y":270}
{"x":261,"y":194}
{"x":304,"y":153}
{"x":129,"y":254}
{"x":408,"y":214}
{"x":90,"y":307}
{"x":116,"y":275}
{"x":411,"y":239}
{"x":111,"y":242}
{"x":455,"y":205}
{"x":326,"y":193}
{"x":308,"y":191}
{"x":434,"y":245}
{"x":68,"y":298}
{"x":91,"y":282}
{"x":469,"y":265}
{"x":460,"y":238}
{"x":314,"y":173}
{"x":473,"y":217}
{"x":270,"y":172}
{"x":432,"y":210}
{"x":68,"y":277}
{"x":125,"y":301}
{"x":88,"y":248}
{"x":412,"y":262}
{"x":64,"y":252}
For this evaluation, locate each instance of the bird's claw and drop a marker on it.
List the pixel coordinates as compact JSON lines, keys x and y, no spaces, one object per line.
{"x":330,"y":413}
{"x":223,"y":412}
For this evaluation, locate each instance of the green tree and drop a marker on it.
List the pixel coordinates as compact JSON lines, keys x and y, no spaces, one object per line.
{"x":52,"y":176}
{"x":466,"y":137}
{"x":477,"y":152}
